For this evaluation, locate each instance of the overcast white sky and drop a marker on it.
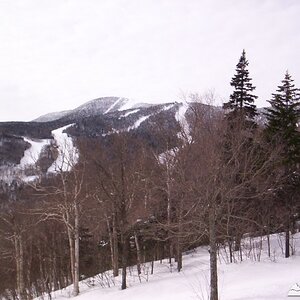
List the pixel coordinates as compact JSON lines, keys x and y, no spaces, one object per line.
{"x":58,"y":54}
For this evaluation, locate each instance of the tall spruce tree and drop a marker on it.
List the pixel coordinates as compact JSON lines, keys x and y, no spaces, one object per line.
{"x":282,"y":129}
{"x":240,"y":125}
{"x":241,"y":103}
{"x":282,"y":120}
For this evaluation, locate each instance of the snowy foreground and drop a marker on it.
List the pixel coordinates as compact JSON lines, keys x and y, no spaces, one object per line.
{"x":270,"y":278}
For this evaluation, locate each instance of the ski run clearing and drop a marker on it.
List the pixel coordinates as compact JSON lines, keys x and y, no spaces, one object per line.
{"x":67,"y":156}
{"x":32,"y":154}
{"x":67,"y":152}
{"x":256,"y":277}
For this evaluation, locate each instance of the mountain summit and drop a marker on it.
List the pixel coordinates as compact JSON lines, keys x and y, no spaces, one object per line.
{"x":94,"y":107}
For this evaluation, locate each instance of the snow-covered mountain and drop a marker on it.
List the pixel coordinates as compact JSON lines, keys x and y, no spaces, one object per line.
{"x":94,"y":107}
{"x":98,"y":118}
{"x":31,"y":147}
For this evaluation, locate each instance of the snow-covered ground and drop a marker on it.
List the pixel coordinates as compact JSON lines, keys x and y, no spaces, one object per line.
{"x":67,"y":152}
{"x":66,"y":159}
{"x":256,"y":277}
{"x":31,"y":155}
{"x":29,"y":159}
{"x":181,"y":119}
{"x":138,"y":122}
{"x":120,"y":100}
{"x":130,"y":113}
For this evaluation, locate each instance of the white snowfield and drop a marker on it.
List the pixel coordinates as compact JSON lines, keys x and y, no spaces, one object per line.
{"x":138,"y":122}
{"x":181,"y":119}
{"x":67,"y":157}
{"x":29,"y":159}
{"x":142,"y":119}
{"x":31,"y":155}
{"x":257,"y":277}
{"x":128,"y":113}
{"x":67,"y":152}
{"x":120,"y":100}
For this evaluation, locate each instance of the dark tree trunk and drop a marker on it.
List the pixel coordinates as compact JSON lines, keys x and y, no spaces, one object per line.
{"x":213,"y":257}
{"x":230,"y":250}
{"x":179,"y":256}
{"x":287,"y":241}
{"x":124,"y":260}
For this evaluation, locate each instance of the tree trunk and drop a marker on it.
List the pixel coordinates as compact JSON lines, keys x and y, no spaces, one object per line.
{"x":230,"y":251}
{"x":56,"y":280}
{"x":71,"y":249}
{"x":287,"y":240}
{"x":115,"y":248}
{"x":124,"y":260}
{"x":111,"y":242}
{"x":76,"y":251}
{"x":269,"y":246}
{"x":179,"y":256}
{"x":138,"y":253}
{"x":20,"y":266}
{"x":213,"y":257}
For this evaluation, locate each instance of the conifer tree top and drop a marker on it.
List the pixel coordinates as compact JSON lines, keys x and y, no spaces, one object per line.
{"x":283,"y":117}
{"x":242,"y":99}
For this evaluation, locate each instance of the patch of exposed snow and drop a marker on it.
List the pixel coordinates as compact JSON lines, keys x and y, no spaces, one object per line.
{"x":138,"y":122}
{"x":113,"y":105}
{"x":29,"y":178}
{"x":144,"y":118}
{"x":168,"y":106}
{"x":130,"y":113}
{"x":67,"y":152}
{"x":167,"y":157}
{"x":128,"y":105}
{"x":29,"y":159}
{"x":52,"y":116}
{"x":32,"y":154}
{"x":180,"y":118}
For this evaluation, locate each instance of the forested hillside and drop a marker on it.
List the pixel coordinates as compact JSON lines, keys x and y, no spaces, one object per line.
{"x":127,"y":188}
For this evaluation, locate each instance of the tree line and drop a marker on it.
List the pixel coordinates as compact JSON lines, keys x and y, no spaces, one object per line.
{"x":126,"y":203}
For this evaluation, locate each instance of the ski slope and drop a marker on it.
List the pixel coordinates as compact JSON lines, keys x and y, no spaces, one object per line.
{"x":32,"y":154}
{"x":67,"y":152}
{"x":257,"y":277}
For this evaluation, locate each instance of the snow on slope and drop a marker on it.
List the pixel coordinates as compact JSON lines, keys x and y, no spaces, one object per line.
{"x":138,"y":122}
{"x":180,"y":118}
{"x":128,"y":113}
{"x":269,"y":278}
{"x":52,"y":116}
{"x":32,"y":154}
{"x":67,"y":152}
{"x":142,"y":119}
{"x":130,"y":103}
{"x":120,"y":100}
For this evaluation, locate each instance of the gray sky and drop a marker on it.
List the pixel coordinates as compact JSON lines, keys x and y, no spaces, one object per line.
{"x":58,"y":54}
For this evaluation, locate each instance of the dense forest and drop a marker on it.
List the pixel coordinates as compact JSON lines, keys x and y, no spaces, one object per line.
{"x":222,"y":175}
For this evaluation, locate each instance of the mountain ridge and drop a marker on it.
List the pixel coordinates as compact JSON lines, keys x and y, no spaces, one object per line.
{"x":102,"y":105}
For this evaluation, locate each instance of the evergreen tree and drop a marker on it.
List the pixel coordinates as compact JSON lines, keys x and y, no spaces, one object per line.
{"x":282,"y":120}
{"x":282,"y":129}
{"x":241,"y":103}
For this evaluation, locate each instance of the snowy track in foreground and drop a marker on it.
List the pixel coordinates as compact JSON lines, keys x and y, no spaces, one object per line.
{"x":271,"y":278}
